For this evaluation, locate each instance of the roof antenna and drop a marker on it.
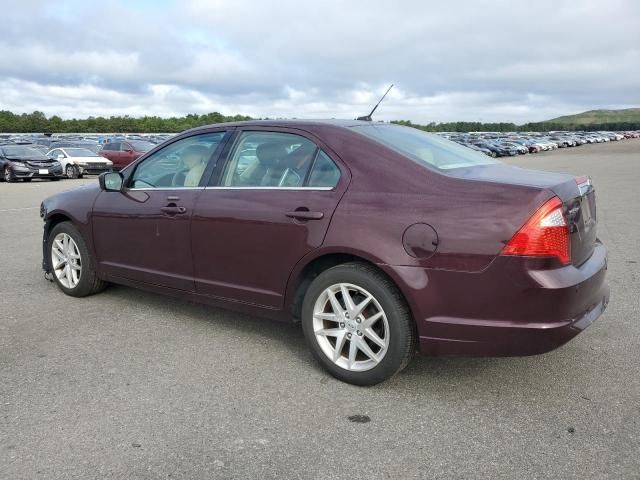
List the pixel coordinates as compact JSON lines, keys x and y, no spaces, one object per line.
{"x":368,"y":117}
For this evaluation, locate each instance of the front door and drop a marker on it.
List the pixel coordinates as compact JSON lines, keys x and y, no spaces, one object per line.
{"x":269,"y":207}
{"x":143,"y":232}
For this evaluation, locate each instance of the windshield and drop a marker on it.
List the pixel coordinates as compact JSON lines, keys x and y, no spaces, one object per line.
{"x":22,"y":151}
{"x":140,"y":145}
{"x":80,"y":152}
{"x":425,"y":148}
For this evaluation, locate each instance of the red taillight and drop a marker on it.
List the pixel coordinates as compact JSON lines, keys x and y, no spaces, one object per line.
{"x":546,"y":234}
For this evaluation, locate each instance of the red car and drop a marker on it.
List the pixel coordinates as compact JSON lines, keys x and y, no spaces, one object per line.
{"x":123,"y":152}
{"x":381,"y":240}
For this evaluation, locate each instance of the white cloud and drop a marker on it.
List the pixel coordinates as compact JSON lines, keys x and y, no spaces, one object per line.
{"x":466,"y":60}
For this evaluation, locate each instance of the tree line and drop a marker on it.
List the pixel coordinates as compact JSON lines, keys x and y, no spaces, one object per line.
{"x":38,"y":122}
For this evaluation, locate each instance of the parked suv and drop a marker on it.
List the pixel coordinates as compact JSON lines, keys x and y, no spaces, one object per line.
{"x":123,"y":152}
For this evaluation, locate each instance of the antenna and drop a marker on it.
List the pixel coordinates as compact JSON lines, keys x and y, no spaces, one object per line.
{"x":368,"y":117}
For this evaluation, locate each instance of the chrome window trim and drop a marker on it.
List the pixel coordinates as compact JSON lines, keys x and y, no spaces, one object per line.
{"x":162,"y":188}
{"x":321,"y":189}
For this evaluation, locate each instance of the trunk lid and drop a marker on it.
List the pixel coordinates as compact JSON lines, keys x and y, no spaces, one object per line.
{"x":576,"y":193}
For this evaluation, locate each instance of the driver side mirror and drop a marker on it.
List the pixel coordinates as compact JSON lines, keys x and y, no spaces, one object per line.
{"x":60,"y":157}
{"x":111,"y":181}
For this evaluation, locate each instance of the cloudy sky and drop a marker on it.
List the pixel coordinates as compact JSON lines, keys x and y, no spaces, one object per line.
{"x":455,"y":60}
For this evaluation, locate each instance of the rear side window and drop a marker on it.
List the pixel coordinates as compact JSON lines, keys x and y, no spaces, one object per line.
{"x":269,"y":159}
{"x":324,"y":173}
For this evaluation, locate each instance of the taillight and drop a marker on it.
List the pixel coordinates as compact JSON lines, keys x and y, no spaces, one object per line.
{"x":546,"y":234}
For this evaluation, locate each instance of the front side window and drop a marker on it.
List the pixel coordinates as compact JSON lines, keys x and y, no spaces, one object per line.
{"x":427,"y":149}
{"x":269,"y":159}
{"x":178,"y":165}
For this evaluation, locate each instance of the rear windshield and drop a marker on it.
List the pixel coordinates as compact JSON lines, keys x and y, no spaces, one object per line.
{"x":425,"y":148}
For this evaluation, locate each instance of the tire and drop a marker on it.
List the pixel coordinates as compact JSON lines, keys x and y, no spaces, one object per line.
{"x":395,"y":344}
{"x":86,"y":281}
{"x":71,"y":171}
{"x":8,"y":175}
{"x":26,"y":180}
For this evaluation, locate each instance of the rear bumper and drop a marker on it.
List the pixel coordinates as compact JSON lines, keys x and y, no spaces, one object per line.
{"x":515,"y":307}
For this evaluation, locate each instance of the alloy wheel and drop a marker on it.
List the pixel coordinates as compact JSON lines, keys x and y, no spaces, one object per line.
{"x":70,"y":171}
{"x":66,"y":260}
{"x":350,"y":327}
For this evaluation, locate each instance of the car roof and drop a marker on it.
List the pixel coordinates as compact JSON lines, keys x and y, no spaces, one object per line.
{"x":295,"y":123}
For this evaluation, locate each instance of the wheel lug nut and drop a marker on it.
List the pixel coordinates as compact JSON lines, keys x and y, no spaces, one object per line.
{"x":359,"y":333}
{"x":341,"y":325}
{"x":358,"y":320}
{"x":346,"y":315}
{"x":348,"y":335}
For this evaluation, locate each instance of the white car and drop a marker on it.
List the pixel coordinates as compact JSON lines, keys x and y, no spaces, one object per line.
{"x":77,"y":162}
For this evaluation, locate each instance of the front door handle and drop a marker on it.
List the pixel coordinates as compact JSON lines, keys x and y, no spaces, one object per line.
{"x":305,"y":215}
{"x":173,"y":210}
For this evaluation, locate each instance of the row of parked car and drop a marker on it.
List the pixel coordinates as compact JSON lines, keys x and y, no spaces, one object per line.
{"x":511,"y":144}
{"x":26,"y":156}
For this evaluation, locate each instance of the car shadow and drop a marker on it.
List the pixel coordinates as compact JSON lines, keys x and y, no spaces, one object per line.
{"x":448,"y":375}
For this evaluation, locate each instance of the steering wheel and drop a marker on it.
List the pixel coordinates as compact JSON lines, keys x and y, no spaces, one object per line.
{"x":178,"y":178}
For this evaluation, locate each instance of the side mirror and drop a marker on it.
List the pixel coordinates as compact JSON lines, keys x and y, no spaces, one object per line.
{"x":61,"y":157}
{"x":111,"y":181}
{"x":129,"y":150}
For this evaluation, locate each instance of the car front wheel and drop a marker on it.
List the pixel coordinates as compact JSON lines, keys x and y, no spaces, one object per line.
{"x":8,"y":175}
{"x":357,"y":324}
{"x":71,"y":171}
{"x":71,"y":264}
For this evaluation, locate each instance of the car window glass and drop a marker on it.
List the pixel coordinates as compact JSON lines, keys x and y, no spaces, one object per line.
{"x":180,"y":164}
{"x":324,"y":173}
{"x":269,"y":159}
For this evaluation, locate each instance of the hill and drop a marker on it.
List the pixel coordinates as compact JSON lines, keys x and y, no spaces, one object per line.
{"x":599,"y":116}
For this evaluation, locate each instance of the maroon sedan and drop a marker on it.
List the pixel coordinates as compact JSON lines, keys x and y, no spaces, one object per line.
{"x":123,"y":152}
{"x":382,"y":240}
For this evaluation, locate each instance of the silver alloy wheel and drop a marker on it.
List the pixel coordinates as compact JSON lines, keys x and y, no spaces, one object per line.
{"x":351,"y":327}
{"x":66,"y":260}
{"x":70,"y":171}
{"x":7,"y":174}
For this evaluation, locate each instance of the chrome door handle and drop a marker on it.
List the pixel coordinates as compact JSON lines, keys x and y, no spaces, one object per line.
{"x":173,"y":210}
{"x":305,"y":215}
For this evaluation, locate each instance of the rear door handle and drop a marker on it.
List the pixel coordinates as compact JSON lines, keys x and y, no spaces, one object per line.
{"x":305,"y":215}
{"x":173,"y":210}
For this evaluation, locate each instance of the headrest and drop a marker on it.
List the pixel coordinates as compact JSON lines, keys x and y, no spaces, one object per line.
{"x":269,"y":154}
{"x":201,"y":151}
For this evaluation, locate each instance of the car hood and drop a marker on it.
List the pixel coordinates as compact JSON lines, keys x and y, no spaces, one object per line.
{"x":29,"y":159}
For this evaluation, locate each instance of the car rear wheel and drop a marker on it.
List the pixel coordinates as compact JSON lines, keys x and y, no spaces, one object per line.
{"x":72,"y":266}
{"x":357,"y":324}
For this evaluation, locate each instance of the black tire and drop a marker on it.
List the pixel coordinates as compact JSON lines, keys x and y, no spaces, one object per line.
{"x":71,"y":171}
{"x":401,"y":329}
{"x":27,"y":180}
{"x":55,"y":179}
{"x":89,"y":283}
{"x":8,"y":175}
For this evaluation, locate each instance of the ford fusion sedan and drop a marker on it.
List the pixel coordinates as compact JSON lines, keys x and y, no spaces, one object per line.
{"x":382,"y":240}
{"x":19,"y":162}
{"x":77,"y":162}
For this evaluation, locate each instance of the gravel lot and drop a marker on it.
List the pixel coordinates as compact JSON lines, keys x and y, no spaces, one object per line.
{"x":128,"y":384}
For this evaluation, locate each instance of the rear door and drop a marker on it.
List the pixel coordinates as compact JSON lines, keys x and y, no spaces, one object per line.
{"x":265,"y":209}
{"x":143,"y":232}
